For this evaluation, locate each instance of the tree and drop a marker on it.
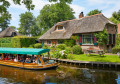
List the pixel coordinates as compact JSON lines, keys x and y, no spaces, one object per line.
{"x":4,"y":14}
{"x":13,"y":27}
{"x":61,"y":1}
{"x":26,"y":21}
{"x":4,"y":20}
{"x":51,"y":14}
{"x":35,"y":30}
{"x":28,"y":25}
{"x":115,"y":17}
{"x":93,"y":12}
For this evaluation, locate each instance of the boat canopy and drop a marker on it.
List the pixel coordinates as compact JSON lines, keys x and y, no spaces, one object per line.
{"x":31,"y":51}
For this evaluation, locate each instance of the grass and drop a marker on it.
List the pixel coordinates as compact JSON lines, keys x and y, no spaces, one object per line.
{"x":95,"y":58}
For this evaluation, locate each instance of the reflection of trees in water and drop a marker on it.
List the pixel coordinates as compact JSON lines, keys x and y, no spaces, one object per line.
{"x":84,"y":76}
{"x":64,"y":75}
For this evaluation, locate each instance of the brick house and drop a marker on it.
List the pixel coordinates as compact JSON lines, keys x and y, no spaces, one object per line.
{"x":118,"y":28}
{"x":84,"y":27}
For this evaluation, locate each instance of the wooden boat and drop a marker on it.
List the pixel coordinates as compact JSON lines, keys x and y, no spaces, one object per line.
{"x":27,"y":51}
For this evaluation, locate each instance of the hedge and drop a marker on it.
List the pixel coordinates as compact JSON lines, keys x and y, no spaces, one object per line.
{"x":115,"y":50}
{"x":17,"y":42}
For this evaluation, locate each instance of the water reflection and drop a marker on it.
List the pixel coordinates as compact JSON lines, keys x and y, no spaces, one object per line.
{"x":63,"y":75}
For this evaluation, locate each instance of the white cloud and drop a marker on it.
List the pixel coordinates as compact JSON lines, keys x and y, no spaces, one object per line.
{"x":77,"y":9}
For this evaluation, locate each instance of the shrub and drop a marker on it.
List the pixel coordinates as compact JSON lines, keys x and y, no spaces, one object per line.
{"x":70,"y":42}
{"x":45,"y":47}
{"x":115,"y":49}
{"x":31,"y":45}
{"x":61,"y":46}
{"x":68,"y":50}
{"x":77,"y":49}
{"x":38,"y":45}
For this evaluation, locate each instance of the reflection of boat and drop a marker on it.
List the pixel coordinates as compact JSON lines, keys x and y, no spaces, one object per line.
{"x":23,"y":53}
{"x":21,"y":76}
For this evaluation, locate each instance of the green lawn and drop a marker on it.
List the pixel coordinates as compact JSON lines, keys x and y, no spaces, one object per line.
{"x":95,"y":57}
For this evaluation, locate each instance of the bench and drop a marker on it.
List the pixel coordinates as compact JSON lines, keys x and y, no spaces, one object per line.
{"x":92,"y":50}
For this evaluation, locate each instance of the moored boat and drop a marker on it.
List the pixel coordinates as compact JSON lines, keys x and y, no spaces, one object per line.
{"x":26,"y":58}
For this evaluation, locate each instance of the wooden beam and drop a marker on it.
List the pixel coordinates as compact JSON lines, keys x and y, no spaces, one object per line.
{"x":2,"y":56}
{"x":37,"y":60}
{"x":49,"y":55}
{"x":41,"y":60}
{"x":17,"y":57}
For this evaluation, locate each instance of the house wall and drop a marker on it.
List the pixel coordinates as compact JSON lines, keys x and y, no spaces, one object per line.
{"x":111,"y":29}
{"x":118,"y":28}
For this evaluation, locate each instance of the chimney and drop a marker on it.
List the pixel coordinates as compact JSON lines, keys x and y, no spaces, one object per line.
{"x":81,"y":15}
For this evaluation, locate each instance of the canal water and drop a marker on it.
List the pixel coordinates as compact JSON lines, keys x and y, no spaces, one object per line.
{"x":64,"y":74}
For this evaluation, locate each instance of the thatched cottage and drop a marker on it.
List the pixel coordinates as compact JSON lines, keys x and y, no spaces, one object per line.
{"x":9,"y":32}
{"x":84,"y":27}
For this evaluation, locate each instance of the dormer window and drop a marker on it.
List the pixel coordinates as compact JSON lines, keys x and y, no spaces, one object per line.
{"x":59,"y":27}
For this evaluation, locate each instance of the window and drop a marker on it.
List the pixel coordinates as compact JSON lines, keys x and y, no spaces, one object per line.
{"x":60,"y":41}
{"x":13,"y":34}
{"x":87,"y":39}
{"x":60,"y":27}
{"x":48,"y":41}
{"x":107,"y":27}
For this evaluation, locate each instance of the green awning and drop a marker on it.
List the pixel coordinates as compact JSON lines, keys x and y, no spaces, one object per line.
{"x":31,"y":51}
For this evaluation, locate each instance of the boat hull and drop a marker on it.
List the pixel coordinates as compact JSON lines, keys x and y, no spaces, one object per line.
{"x":29,"y":66}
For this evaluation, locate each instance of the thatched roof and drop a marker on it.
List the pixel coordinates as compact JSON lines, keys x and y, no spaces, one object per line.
{"x":8,"y":32}
{"x":94,"y":23}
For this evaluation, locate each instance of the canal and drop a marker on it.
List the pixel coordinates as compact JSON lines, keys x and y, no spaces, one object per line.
{"x":65,"y":74}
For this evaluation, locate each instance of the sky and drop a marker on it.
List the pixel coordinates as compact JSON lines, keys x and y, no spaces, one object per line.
{"x":85,"y":6}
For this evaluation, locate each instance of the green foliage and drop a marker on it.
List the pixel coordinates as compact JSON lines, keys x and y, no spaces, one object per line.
{"x":5,"y":42}
{"x":70,"y":42}
{"x":26,"y":22}
{"x":114,"y":20}
{"x":12,"y":27}
{"x":77,"y":49}
{"x":115,"y":17}
{"x":102,"y":37}
{"x":51,"y":14}
{"x":22,"y":41}
{"x":5,"y":17}
{"x":45,"y":47}
{"x":118,"y":40}
{"x":62,"y":1}
{"x":38,"y":45}
{"x":61,"y":46}
{"x":93,"y":12}
{"x":4,"y":20}
{"x":75,"y":37}
{"x":70,"y":56}
{"x":115,"y":50}
{"x":68,"y":50}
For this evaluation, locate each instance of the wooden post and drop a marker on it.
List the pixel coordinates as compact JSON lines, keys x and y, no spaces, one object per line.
{"x":17,"y":57}
{"x":41,"y":60}
{"x":2,"y":56}
{"x":49,"y":55}
{"x":37,"y":60}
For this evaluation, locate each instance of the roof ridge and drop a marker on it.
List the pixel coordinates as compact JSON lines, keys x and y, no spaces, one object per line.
{"x":81,"y":18}
{"x":92,"y":15}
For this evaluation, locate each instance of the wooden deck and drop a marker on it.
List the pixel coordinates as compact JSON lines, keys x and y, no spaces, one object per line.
{"x":89,"y":63}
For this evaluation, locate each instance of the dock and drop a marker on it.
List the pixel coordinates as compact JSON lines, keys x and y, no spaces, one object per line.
{"x":88,"y":63}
